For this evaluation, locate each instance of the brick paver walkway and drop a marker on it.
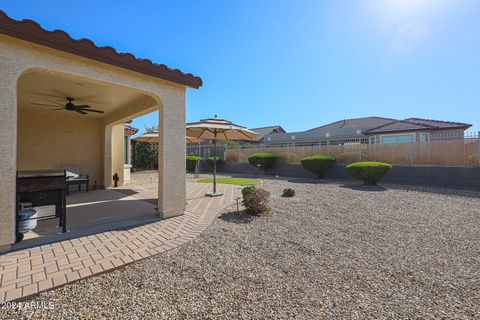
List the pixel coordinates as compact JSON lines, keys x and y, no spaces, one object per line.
{"x":27,"y":272}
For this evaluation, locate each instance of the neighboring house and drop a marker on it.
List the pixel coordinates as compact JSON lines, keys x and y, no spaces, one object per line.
{"x":415,"y":129}
{"x":264,"y":131}
{"x":371,"y":130}
{"x":129,"y":131}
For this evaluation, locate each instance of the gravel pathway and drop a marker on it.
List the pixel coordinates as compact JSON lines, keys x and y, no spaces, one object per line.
{"x":332,"y":251}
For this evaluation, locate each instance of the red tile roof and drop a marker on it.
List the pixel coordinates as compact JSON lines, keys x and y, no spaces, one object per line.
{"x":129,"y":130}
{"x":31,"y":31}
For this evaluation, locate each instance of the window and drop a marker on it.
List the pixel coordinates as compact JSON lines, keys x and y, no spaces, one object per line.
{"x":398,"y":138}
{"x":126,"y":140}
{"x":424,"y":137}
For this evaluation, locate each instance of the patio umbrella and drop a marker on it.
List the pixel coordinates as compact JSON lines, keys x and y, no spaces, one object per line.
{"x":153,"y":137}
{"x":218,"y":129}
{"x":147,"y":137}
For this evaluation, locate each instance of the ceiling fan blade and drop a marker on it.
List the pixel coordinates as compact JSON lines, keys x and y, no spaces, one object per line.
{"x":43,"y":104}
{"x":57,"y":109}
{"x":82,"y":106}
{"x":92,"y":110}
{"x":57,"y":103}
{"x":57,"y":96}
{"x":80,"y":111}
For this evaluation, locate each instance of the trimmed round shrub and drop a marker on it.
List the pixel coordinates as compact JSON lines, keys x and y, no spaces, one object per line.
{"x":369,"y":172}
{"x":262,"y":160}
{"x":192,"y":162}
{"x":255,"y":200}
{"x":288,"y":193}
{"x":318,"y":164}
{"x":210,"y":161}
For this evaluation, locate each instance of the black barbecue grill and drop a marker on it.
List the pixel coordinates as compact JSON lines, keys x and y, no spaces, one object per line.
{"x":42,"y":188}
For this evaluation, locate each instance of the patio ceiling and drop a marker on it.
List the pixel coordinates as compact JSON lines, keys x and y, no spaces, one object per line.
{"x":45,"y":88}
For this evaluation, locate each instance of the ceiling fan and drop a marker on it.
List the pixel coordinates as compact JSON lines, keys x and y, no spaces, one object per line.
{"x":69,"y":106}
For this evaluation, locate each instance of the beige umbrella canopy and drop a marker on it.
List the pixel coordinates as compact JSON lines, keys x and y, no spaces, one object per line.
{"x":192,"y":140}
{"x":153,"y":137}
{"x":218,"y":129}
{"x":147,"y":137}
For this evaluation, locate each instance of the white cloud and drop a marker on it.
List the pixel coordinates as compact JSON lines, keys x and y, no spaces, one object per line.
{"x":409,"y":37}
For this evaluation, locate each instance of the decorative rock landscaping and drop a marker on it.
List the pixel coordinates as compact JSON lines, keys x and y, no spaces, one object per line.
{"x":332,"y":251}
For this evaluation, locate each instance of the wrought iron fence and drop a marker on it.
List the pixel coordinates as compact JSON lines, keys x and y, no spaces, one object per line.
{"x":441,"y":150}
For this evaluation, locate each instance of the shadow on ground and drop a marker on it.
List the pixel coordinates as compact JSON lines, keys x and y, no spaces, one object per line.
{"x":236,"y":217}
{"x":362,"y":187}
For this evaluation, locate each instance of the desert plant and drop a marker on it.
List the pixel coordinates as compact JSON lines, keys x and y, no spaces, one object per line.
{"x":318,"y":164}
{"x":288,"y":193}
{"x":369,"y":172}
{"x":210,"y":161}
{"x":255,"y":200}
{"x":262,"y":160}
{"x":192,"y":161}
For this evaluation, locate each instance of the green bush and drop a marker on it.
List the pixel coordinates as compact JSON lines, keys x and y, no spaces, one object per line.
{"x":288,"y":193}
{"x":262,"y":160}
{"x":318,"y":164}
{"x":369,"y":172}
{"x":192,"y":162}
{"x":255,"y":200}
{"x":248,"y":190}
{"x":210,"y":161}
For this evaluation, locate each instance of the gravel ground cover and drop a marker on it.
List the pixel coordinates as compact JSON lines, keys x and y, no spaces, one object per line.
{"x":332,"y":251}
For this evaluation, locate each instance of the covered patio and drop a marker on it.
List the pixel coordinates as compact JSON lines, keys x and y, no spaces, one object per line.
{"x":40,"y":129}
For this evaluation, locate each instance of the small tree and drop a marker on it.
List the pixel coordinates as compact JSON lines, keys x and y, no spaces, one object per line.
{"x":262,"y":160}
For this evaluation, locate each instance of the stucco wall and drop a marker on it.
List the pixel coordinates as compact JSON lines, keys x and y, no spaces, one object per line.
{"x":114,"y":146}
{"x":18,"y":57}
{"x":53,"y":140}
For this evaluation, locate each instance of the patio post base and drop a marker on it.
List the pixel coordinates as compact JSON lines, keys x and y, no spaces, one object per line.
{"x":214,"y":194}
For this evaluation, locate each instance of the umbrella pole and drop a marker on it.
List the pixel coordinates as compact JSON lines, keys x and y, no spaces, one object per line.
{"x":215,"y":163}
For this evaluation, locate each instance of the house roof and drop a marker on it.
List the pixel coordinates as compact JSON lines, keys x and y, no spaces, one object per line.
{"x":358,"y":127}
{"x":129,"y":130}
{"x":31,"y":31}
{"x":415,"y":124}
{"x":263,"y":131}
{"x":355,"y":123}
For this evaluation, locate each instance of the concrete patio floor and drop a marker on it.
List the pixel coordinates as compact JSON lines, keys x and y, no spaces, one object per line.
{"x":98,"y":209}
{"x":26,"y":272}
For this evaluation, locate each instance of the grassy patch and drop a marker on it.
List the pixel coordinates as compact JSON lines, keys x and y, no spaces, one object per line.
{"x":237,"y":181}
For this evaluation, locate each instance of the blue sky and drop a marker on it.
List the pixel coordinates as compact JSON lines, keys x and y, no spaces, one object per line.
{"x":296,"y":63}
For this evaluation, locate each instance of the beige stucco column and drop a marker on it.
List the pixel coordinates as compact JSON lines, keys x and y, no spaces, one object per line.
{"x":171,"y":155}
{"x":114,"y":154}
{"x":8,"y":151}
